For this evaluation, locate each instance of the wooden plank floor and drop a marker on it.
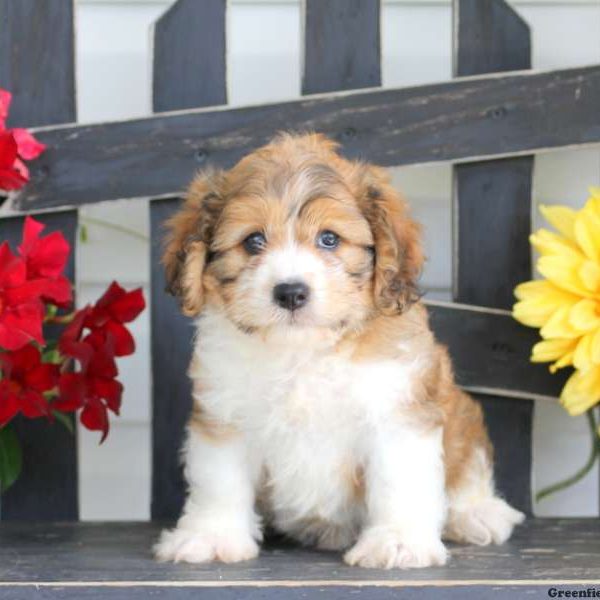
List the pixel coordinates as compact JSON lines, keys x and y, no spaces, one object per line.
{"x":113,"y":560}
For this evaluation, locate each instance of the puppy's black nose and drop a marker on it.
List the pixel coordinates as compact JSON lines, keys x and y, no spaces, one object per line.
{"x":291,"y":295}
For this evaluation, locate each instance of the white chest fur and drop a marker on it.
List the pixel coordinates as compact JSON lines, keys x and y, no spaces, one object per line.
{"x":305,"y":410}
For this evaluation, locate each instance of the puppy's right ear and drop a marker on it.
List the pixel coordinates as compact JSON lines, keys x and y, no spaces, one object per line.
{"x":187,"y":243}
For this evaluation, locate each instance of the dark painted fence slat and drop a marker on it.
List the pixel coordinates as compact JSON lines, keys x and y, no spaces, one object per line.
{"x":36,"y":60}
{"x":37,"y":66}
{"x":492,"y":206}
{"x":47,"y":487}
{"x":171,"y":390}
{"x":491,"y":350}
{"x":463,"y":119}
{"x":189,"y":71}
{"x":342,"y":45}
{"x":189,"y":56}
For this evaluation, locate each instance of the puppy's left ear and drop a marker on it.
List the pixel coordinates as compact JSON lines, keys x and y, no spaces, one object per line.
{"x":398,"y":250}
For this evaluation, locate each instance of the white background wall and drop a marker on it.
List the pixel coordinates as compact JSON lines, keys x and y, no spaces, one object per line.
{"x":113,"y":79}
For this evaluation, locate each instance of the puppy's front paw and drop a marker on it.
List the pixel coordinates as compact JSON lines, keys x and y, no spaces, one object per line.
{"x":383,"y":548}
{"x":187,"y":545}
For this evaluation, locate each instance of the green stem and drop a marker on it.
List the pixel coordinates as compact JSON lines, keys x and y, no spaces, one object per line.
{"x":65,"y":319}
{"x":115,"y":227}
{"x":594,"y":452}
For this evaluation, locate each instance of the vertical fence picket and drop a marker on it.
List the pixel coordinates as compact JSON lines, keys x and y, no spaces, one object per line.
{"x":491,"y":211}
{"x":189,"y":71}
{"x":341,"y":45}
{"x":36,"y":61}
{"x":37,"y":66}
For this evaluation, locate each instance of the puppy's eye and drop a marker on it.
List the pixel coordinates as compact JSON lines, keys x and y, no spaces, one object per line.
{"x":328,"y":240}
{"x":255,"y":243}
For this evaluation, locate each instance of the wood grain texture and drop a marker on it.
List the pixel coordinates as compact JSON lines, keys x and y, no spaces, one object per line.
{"x":47,"y":487}
{"x":542,"y":550}
{"x":491,"y":350}
{"x":189,"y":70}
{"x":37,"y":61}
{"x":492,"y":199}
{"x":341,"y":45}
{"x":459,"y":120}
{"x":171,"y":347}
{"x":492,"y":223}
{"x":247,"y":592}
{"x":37,"y":66}
{"x":509,"y":423}
{"x":337,"y":592}
{"x":190,"y":56}
{"x":492,"y":211}
{"x":490,"y":37}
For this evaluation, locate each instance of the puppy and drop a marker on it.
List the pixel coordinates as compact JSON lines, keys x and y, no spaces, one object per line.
{"x":322,"y":404}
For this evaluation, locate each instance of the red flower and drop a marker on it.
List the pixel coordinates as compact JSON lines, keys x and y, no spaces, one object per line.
{"x":10,"y":177}
{"x":5,"y":98}
{"x":113,"y":309}
{"x":95,"y":387}
{"x":16,"y":145}
{"x":21,"y":310}
{"x":24,"y":380}
{"x":45,"y":258}
{"x":28,"y":147}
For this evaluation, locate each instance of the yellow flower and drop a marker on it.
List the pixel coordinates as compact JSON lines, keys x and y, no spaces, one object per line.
{"x":565,"y":305}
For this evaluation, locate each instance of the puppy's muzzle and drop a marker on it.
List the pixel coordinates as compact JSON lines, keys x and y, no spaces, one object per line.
{"x":291,"y":296}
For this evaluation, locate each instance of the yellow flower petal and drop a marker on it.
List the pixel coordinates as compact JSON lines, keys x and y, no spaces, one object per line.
{"x":587,"y":233}
{"x":539,"y":300}
{"x":533,"y":289}
{"x":561,"y":218}
{"x":582,"y":359}
{"x":559,"y":325}
{"x":585,"y":315}
{"x":594,"y":192}
{"x":596,"y":348}
{"x":546,"y":242}
{"x":582,"y":391}
{"x":589,"y":275}
{"x":551,"y":350}
{"x":563,"y":271}
{"x":565,"y":361}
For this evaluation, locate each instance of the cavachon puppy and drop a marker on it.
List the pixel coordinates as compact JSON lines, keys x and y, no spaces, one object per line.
{"x":323,"y":405}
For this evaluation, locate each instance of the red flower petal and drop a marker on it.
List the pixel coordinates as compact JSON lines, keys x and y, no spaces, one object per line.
{"x":33,"y":404}
{"x":12,"y":268}
{"x":102,"y":363}
{"x":59,"y":291}
{"x":27,"y":146}
{"x":8,"y":150}
{"x":20,"y":326}
{"x":42,"y":378}
{"x":124,"y":344}
{"x":110,"y":390}
{"x":5,"y":98}
{"x":11,"y":180}
{"x":128,"y":306}
{"x":71,"y":345}
{"x":72,"y":389}
{"x":21,"y":168}
{"x":112,"y":293}
{"x":44,"y":256}
{"x":95,"y":417}
{"x":21,"y":360}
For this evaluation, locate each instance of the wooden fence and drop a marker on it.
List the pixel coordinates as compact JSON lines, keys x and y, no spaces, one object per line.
{"x":487,"y":121}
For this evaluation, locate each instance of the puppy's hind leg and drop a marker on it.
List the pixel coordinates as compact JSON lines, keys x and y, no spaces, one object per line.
{"x":476,"y":515}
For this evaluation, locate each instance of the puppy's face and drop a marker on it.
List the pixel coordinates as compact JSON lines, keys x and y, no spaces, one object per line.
{"x":294,"y":237}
